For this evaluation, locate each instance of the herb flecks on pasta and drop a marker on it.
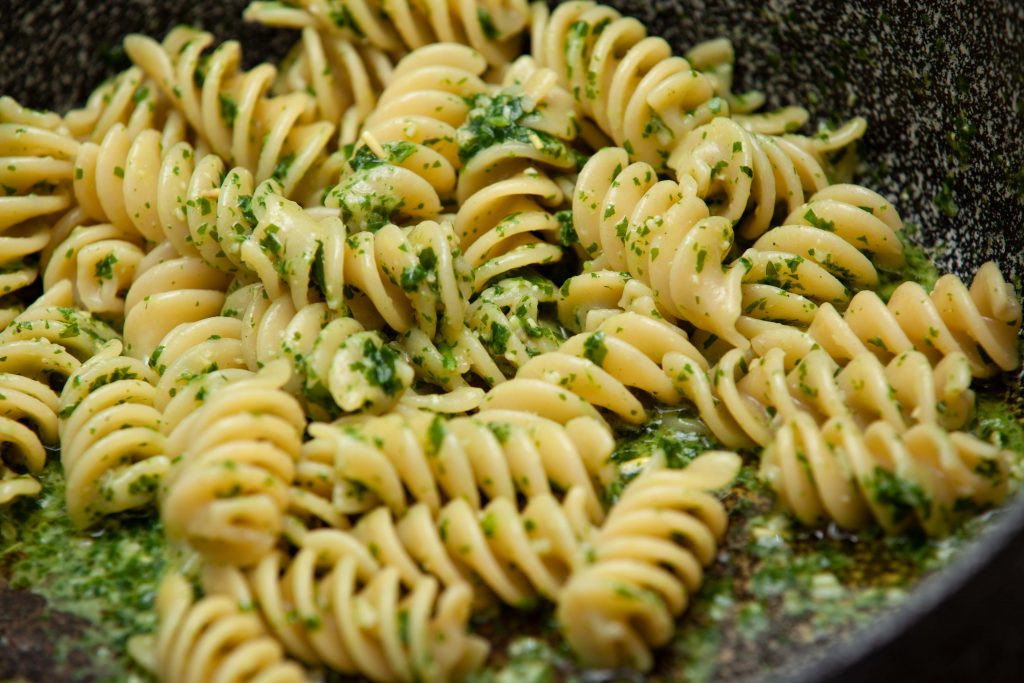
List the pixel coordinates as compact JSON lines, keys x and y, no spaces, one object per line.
{"x":370,"y":330}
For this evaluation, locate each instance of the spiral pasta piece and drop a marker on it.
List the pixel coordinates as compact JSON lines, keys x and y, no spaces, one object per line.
{"x":647,"y":560}
{"x":112,"y":448}
{"x":36,"y":168}
{"x":981,"y":322}
{"x":229,"y":108}
{"x":742,"y":399}
{"x":408,"y":157}
{"x":663,"y":236}
{"x":214,"y":639}
{"x":168,"y":291}
{"x":493,"y":28}
{"x":344,"y":78}
{"x":753,"y":179}
{"x":925,"y":477}
{"x":337,"y":365}
{"x":226,"y":492}
{"x":506,"y":318}
{"x":600,"y":368}
{"x":626,"y":82}
{"x":39,"y":350}
{"x":510,"y":143}
{"x":356,"y":614}
{"x":398,"y":460}
{"x":101,"y":261}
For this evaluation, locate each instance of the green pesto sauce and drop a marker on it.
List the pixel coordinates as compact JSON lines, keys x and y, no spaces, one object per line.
{"x":107,"y":576}
{"x":918,"y":266}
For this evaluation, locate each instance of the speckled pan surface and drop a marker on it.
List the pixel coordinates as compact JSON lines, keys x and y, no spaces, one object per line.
{"x":942,"y":85}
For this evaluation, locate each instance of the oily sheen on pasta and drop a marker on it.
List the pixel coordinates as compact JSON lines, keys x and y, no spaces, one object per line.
{"x":370,"y":332}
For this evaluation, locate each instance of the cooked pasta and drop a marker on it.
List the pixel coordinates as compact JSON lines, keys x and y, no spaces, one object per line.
{"x":647,"y":561}
{"x":599,"y":368}
{"x":925,"y":477}
{"x":743,"y":399}
{"x":338,"y":366}
{"x":391,"y":336}
{"x":492,"y":28}
{"x":355,"y":614}
{"x":112,"y":448}
{"x":626,"y":82}
{"x":214,"y":639}
{"x":981,"y":322}
{"x":232,"y":463}
{"x":753,"y":179}
{"x":398,"y":460}
{"x":229,"y":108}
{"x":36,"y":168}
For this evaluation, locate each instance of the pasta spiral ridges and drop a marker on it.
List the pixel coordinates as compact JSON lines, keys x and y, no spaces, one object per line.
{"x":509,"y":143}
{"x":753,"y":179}
{"x":337,"y":365}
{"x":168,"y":291}
{"x":981,"y":322}
{"x":408,"y":159}
{"x":741,"y":399}
{"x":492,"y":28}
{"x":36,"y":168}
{"x":827,"y":249}
{"x":234,"y":459}
{"x":599,"y":368}
{"x":648,"y":559}
{"x":506,"y":551}
{"x":343,"y":77}
{"x":663,"y":235}
{"x":214,"y":639}
{"x":398,"y":460}
{"x":627,"y":82}
{"x":356,"y":614}
{"x":112,"y":448}
{"x":924,"y":476}
{"x":229,"y":108}
{"x":39,"y":350}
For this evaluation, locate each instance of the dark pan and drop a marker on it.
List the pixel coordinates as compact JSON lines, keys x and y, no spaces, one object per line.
{"x":942,"y":85}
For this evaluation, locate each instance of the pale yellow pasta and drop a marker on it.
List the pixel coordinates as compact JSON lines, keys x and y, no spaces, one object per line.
{"x":743,"y":399}
{"x":981,"y":322}
{"x":355,"y":614}
{"x":101,"y":261}
{"x":118,"y":178}
{"x":413,"y":129}
{"x":169,"y":290}
{"x":39,"y":350}
{"x":233,"y":460}
{"x":749,"y":178}
{"x":492,"y":27}
{"x":112,"y":448}
{"x":515,"y":554}
{"x":647,"y":562}
{"x":345,"y":78}
{"x":35,"y":173}
{"x":599,"y":368}
{"x":397,"y":460}
{"x":213,"y":639}
{"x":336,"y":364}
{"x":923,"y":477}
{"x":663,"y":235}
{"x":128,"y":99}
{"x":287,"y":244}
{"x":512,"y":139}
{"x":628,"y":83}
{"x":228,"y":107}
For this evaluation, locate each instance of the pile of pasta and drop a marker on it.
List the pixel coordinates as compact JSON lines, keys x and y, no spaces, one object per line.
{"x":362,"y":329}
